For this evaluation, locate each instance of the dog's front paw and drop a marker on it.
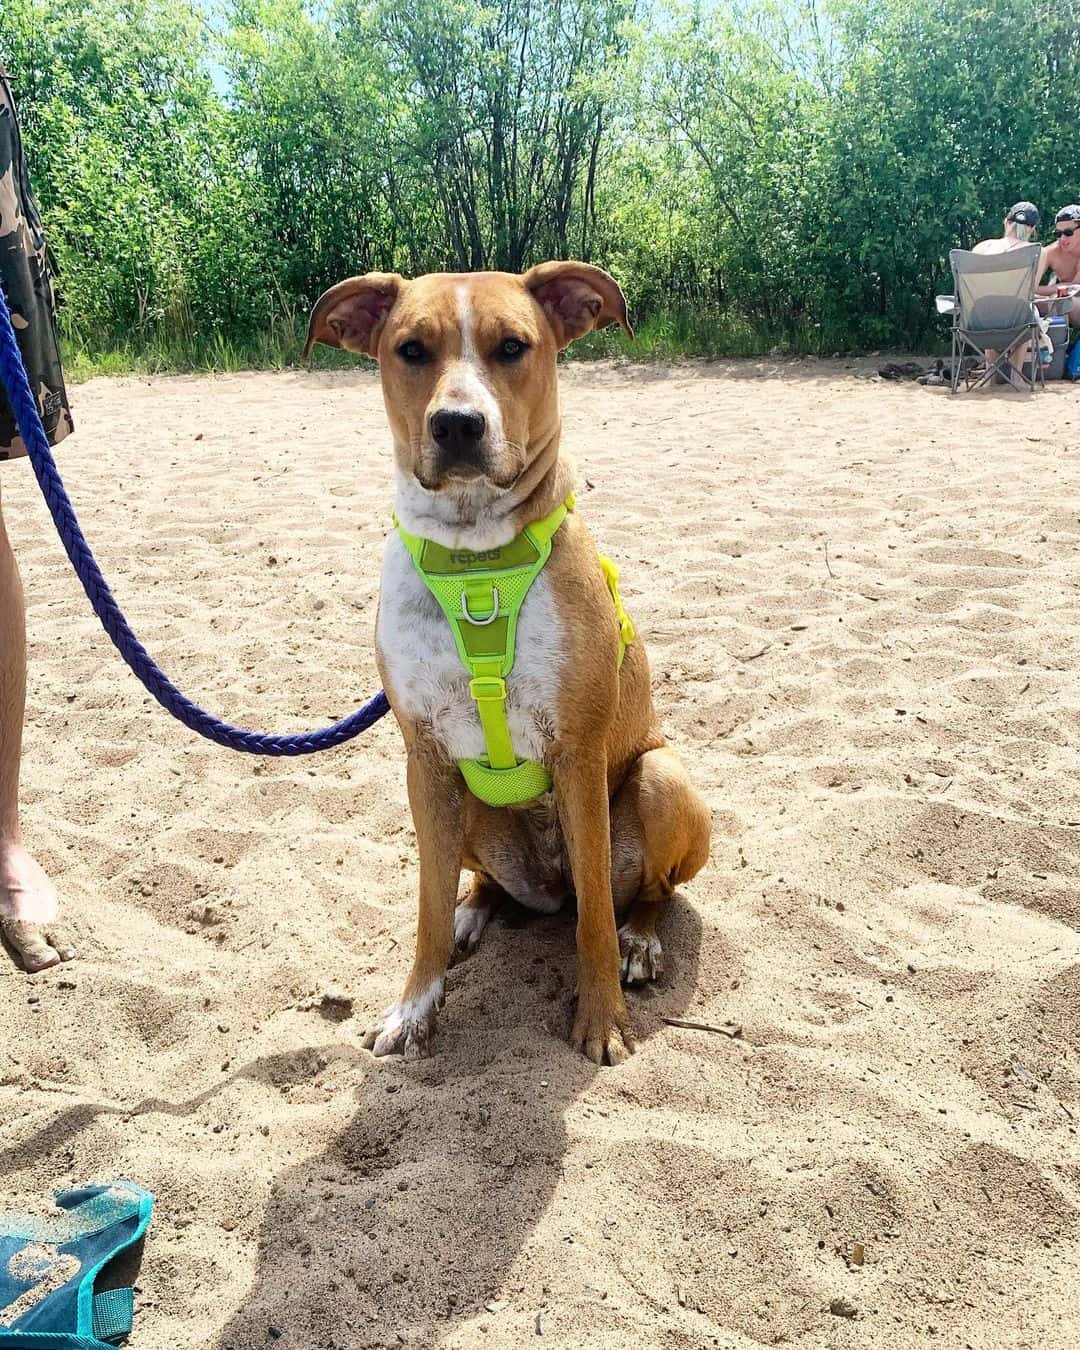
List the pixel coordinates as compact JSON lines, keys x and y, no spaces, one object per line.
{"x":602,"y":1030}
{"x":641,"y":955}
{"x":406,"y":1028}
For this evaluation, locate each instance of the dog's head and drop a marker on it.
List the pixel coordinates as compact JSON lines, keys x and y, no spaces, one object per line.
{"x":467,"y":360}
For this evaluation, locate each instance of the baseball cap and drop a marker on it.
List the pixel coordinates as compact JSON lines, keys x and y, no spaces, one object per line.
{"x":1068,"y":213}
{"x":1024,"y":213}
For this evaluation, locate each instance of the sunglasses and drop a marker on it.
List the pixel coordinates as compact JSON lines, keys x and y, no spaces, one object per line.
{"x":1068,"y":234}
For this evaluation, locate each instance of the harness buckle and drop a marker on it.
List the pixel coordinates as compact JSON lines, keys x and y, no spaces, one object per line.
{"x":488,"y":688}
{"x":481,"y":623}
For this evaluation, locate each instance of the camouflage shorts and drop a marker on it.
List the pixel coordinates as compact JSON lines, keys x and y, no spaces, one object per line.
{"x":24,"y":274}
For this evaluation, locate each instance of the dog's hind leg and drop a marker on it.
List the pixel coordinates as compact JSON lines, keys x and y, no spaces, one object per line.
{"x":660,"y":829}
{"x":473,"y":914}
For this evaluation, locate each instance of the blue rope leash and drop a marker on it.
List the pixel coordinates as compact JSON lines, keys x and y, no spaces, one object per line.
{"x":24,"y":406}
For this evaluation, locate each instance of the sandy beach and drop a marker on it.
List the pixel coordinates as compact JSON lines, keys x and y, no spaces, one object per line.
{"x":861,"y":602}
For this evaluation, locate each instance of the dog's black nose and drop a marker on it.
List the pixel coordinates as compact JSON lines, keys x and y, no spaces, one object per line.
{"x":457,"y":432}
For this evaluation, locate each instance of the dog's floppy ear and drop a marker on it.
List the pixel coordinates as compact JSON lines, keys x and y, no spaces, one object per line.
{"x":576,"y":298}
{"x":351,"y":314}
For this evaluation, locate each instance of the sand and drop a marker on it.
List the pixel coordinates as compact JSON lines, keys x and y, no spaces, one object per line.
{"x":862,"y":609}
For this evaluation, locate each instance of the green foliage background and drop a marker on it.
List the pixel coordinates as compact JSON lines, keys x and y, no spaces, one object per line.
{"x":758,"y":175}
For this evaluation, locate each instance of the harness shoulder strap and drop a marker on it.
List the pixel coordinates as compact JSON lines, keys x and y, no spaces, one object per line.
{"x":626,"y":624}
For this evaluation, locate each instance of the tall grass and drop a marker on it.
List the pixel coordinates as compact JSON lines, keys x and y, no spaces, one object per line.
{"x":667,"y":336}
{"x":159,"y":353}
{"x":689,"y":332}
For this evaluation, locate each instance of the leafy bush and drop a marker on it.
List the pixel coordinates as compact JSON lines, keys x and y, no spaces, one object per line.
{"x":758,"y":175}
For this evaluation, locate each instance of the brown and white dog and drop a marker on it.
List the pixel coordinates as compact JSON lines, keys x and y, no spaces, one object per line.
{"x":468,"y":369}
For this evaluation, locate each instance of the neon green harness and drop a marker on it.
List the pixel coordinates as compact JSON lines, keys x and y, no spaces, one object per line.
{"x":481,"y":595}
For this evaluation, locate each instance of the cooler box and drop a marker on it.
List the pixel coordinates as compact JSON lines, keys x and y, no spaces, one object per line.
{"x":1059,"y":336}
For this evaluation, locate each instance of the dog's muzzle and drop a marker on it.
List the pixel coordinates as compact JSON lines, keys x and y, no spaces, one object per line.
{"x":458,"y":437}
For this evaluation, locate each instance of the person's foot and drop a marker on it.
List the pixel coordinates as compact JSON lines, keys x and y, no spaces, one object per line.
{"x":28,"y":909}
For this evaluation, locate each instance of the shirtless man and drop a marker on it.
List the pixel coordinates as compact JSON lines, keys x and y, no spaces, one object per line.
{"x":28,"y":901}
{"x":1062,"y":257}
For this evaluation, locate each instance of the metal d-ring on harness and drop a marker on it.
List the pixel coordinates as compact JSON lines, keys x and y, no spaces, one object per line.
{"x":471,"y":618}
{"x":24,"y":406}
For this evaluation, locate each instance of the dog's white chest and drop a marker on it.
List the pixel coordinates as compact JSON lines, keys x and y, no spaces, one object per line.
{"x":429,"y":683}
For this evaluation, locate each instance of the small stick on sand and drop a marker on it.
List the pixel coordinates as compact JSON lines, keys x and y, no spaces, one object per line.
{"x":732,"y":1029}
{"x":829,"y":569}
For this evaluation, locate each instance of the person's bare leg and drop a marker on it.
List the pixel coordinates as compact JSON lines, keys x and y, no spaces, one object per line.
{"x":28,"y":902}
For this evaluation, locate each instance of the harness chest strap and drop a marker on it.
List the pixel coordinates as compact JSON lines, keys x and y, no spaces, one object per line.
{"x":481,"y":595}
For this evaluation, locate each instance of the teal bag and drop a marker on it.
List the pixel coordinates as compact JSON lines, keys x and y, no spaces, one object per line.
{"x":49,"y":1267}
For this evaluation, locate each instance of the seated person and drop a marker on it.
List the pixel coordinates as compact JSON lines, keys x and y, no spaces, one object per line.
{"x":1020,"y":225}
{"x":1021,"y":222}
{"x":1063,"y":256}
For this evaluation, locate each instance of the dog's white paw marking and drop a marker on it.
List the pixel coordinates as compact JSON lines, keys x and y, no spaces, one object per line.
{"x":469,"y":924}
{"x":642,"y":956}
{"x":406,"y":1028}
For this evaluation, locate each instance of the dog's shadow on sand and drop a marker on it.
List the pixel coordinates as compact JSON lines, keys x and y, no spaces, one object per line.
{"x":415,"y":1215}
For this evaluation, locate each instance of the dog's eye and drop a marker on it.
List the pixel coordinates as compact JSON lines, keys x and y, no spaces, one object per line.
{"x":513,"y":349}
{"x":413,"y":352}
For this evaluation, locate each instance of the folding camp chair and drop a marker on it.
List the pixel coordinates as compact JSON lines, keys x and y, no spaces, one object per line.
{"x":994,"y":311}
